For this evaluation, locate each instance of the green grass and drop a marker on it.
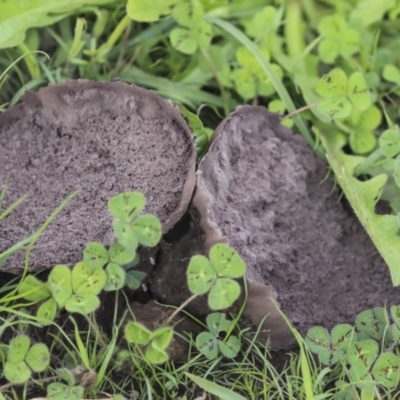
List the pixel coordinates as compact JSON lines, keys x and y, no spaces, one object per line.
{"x":282,"y":54}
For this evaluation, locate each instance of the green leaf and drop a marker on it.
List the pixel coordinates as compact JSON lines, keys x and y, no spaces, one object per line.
{"x":115,"y":277}
{"x":162,"y":337}
{"x":84,"y":303}
{"x":230,"y":348}
{"x":134,"y":279}
{"x":363,"y":380}
{"x":200,"y":275}
{"x":333,"y":84}
{"x":368,"y":12}
{"x":362,"y":141}
{"x":246,"y":59}
{"x":143,"y":11}
{"x":226,"y":261}
{"x":148,"y":230}
{"x":155,"y":355}
{"x":358,"y":92}
{"x":391,"y":73}
{"x":342,"y":335}
{"x":262,"y":22}
{"x":137,"y":333}
{"x":47,"y":312}
{"x":38,"y":357}
{"x":245,"y":83}
{"x":203,"y":34}
{"x":183,"y":40}
{"x":95,"y":255}
{"x":373,"y":323}
{"x":18,"y":349}
{"x":188,"y":13}
{"x":395,"y":313}
{"x":60,"y":391}
{"x":40,"y":290}
{"x":207,"y":344}
{"x":386,"y":370}
{"x":389,"y":142}
{"x":120,"y":255}
{"x":363,"y":353}
{"x":362,"y":196}
{"x":60,"y":284}
{"x":217,"y":323}
{"x":125,"y":235}
{"x":17,"y":372}
{"x":16,"y":17}
{"x":318,"y":339}
{"x":337,"y":40}
{"x":66,"y":375}
{"x":126,"y":206}
{"x":86,"y":280}
{"x":212,"y":388}
{"x":330,"y":357}
{"x":223,"y":294}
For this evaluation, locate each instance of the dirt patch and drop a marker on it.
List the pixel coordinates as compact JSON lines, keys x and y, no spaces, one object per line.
{"x":105,"y":138}
{"x":262,"y":190}
{"x":268,"y":198}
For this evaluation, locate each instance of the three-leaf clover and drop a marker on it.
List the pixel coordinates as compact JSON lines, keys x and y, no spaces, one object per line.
{"x":77,"y":290}
{"x":96,"y":255}
{"x":23,"y":359}
{"x":342,"y":94}
{"x":249,"y":78}
{"x":194,"y":31}
{"x":330,"y":348}
{"x":209,"y":343}
{"x":338,"y":39}
{"x":215,"y":275}
{"x":362,"y":124}
{"x":156,"y":342}
{"x":130,"y":228}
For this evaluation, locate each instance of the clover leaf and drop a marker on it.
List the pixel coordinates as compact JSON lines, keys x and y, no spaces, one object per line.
{"x":262,"y":24}
{"x":145,"y":11}
{"x":249,"y":78}
{"x":386,"y":370}
{"x":77,"y":290}
{"x":389,"y":142}
{"x":194,"y":32}
{"x":23,"y":359}
{"x":157,"y":342}
{"x":130,"y":229}
{"x":215,"y":275}
{"x":361,"y":357}
{"x":338,"y":39}
{"x":372,"y":324}
{"x":61,"y":391}
{"x":330,"y":348}
{"x":95,"y":256}
{"x":342,"y":94}
{"x":362,"y":124}
{"x":208,"y":343}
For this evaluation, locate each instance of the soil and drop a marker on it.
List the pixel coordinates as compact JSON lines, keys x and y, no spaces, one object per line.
{"x":105,"y":138}
{"x":271,"y":200}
